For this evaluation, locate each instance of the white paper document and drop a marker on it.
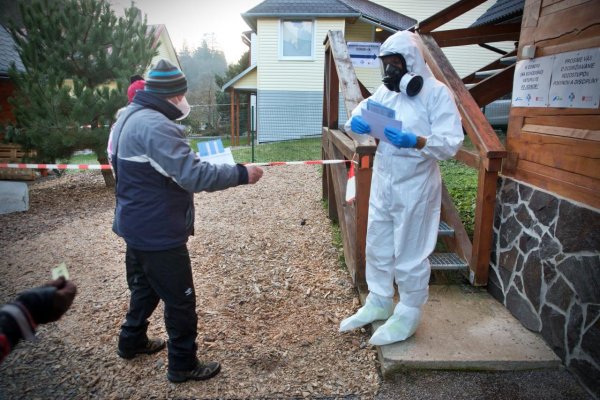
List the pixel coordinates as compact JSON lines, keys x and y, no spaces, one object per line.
{"x":378,"y":123}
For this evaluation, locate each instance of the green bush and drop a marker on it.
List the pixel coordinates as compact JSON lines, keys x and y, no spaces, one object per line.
{"x":461,"y":182}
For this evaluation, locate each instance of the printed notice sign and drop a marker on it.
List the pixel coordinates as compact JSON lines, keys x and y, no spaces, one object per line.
{"x":576,"y":79}
{"x":532,"y":82}
{"x":364,"y":54}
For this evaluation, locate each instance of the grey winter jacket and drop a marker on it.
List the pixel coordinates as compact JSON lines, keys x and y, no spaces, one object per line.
{"x":157,"y":174}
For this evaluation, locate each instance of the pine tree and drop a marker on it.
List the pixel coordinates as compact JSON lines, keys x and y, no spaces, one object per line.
{"x":78,"y":57}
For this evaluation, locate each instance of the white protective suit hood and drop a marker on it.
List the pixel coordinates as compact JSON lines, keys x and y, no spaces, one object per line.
{"x":406,"y":43}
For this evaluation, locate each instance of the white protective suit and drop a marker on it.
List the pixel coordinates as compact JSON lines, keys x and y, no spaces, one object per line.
{"x":405,"y":199}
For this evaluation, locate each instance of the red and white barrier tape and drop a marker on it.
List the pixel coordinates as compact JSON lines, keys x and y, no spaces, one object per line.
{"x":107,"y":166}
{"x":55,"y":166}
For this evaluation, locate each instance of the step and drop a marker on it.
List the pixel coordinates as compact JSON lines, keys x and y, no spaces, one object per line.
{"x":447,"y":262}
{"x":465,"y":328}
{"x":445,"y":229}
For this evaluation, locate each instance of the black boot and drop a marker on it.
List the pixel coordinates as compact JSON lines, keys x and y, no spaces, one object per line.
{"x":150,"y":347}
{"x":201,"y":372}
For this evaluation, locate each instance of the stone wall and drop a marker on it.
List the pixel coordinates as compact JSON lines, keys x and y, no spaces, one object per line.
{"x":545,"y":268}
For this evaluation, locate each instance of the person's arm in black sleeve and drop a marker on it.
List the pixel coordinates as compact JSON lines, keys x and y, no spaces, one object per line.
{"x":19,"y":319}
{"x":242,"y":174}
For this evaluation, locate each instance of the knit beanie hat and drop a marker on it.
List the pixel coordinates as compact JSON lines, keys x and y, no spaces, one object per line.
{"x":166,"y":80}
{"x":134,"y":87}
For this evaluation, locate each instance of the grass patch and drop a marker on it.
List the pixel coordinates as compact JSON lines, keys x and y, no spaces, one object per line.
{"x":461,"y":182}
{"x":83,"y":159}
{"x":290,"y":150}
{"x":79,"y":159}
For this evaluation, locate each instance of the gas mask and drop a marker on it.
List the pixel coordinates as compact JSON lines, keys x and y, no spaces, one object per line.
{"x":397,"y":80}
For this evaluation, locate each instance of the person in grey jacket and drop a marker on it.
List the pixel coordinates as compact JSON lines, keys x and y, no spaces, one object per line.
{"x":157,"y":175}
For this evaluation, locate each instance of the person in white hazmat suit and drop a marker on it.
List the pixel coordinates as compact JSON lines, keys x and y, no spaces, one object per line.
{"x":405,"y":200}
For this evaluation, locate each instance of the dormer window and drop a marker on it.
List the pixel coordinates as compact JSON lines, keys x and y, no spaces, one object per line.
{"x":297,"y":39}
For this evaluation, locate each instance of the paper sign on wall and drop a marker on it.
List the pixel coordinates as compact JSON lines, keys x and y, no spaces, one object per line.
{"x":364,"y":54}
{"x":576,"y":79}
{"x":563,"y":80}
{"x":532,"y":82}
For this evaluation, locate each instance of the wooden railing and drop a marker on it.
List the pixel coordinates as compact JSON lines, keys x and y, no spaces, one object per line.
{"x":340,"y":75}
{"x":490,"y":151}
{"x":352,"y":218}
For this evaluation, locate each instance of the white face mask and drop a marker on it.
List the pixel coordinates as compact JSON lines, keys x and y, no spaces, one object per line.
{"x":184,"y":107}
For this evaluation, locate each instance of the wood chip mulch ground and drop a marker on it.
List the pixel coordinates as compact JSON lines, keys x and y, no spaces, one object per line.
{"x":270,"y":292}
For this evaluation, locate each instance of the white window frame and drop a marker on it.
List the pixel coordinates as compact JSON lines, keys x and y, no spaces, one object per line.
{"x":312,"y":47}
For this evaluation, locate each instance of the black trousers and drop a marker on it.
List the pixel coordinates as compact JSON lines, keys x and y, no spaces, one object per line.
{"x":167,"y":276}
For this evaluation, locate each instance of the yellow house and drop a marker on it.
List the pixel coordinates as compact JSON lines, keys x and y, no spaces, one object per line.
{"x":284,"y":82}
{"x":163,"y":44}
{"x":285,"y":77}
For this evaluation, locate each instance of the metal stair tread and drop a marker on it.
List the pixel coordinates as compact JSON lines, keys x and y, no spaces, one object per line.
{"x":445,"y":229}
{"x":446,"y":261}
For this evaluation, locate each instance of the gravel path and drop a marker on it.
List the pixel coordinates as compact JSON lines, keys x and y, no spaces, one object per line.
{"x":269,"y":286}
{"x":270,"y":294}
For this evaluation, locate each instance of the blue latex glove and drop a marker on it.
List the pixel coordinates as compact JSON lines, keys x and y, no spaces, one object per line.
{"x":399,"y":138}
{"x":359,"y":125}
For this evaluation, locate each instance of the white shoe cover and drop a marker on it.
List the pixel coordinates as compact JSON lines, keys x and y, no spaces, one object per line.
{"x":398,"y":327}
{"x":375,"y":308}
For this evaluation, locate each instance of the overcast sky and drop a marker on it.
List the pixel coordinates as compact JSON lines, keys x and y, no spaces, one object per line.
{"x":188,"y":21}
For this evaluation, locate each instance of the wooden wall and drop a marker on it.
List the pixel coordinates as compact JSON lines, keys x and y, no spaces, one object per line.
{"x":558,"y":149}
{"x":6,"y":90}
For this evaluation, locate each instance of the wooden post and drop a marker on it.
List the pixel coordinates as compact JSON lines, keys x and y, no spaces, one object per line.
{"x":324,"y":156}
{"x":484,"y":223}
{"x":333,"y":97}
{"x":363,"y":175}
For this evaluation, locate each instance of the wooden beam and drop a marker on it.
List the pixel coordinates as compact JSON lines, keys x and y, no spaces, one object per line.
{"x":469,"y":158}
{"x":324,"y":156}
{"x":477,"y":126}
{"x":461,"y":244}
{"x":446,"y":15}
{"x":563,"y":153}
{"x":494,"y":87}
{"x":563,"y":112}
{"x":568,"y":132}
{"x":477,"y":35}
{"x":347,"y":80}
{"x":333,"y":94}
{"x":328,"y":190}
{"x":584,"y":122}
{"x":345,"y":145}
{"x":363,"y":90}
{"x":493,"y":65}
{"x":345,"y":214}
{"x":567,"y":185}
{"x":363,"y":174}
{"x":326,"y":62}
{"x":483,"y":227}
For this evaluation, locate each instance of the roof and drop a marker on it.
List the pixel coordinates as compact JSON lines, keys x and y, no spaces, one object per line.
{"x":501,"y":11}
{"x":238,"y":77}
{"x":8,"y":53}
{"x":381,"y":14}
{"x":328,"y":9}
